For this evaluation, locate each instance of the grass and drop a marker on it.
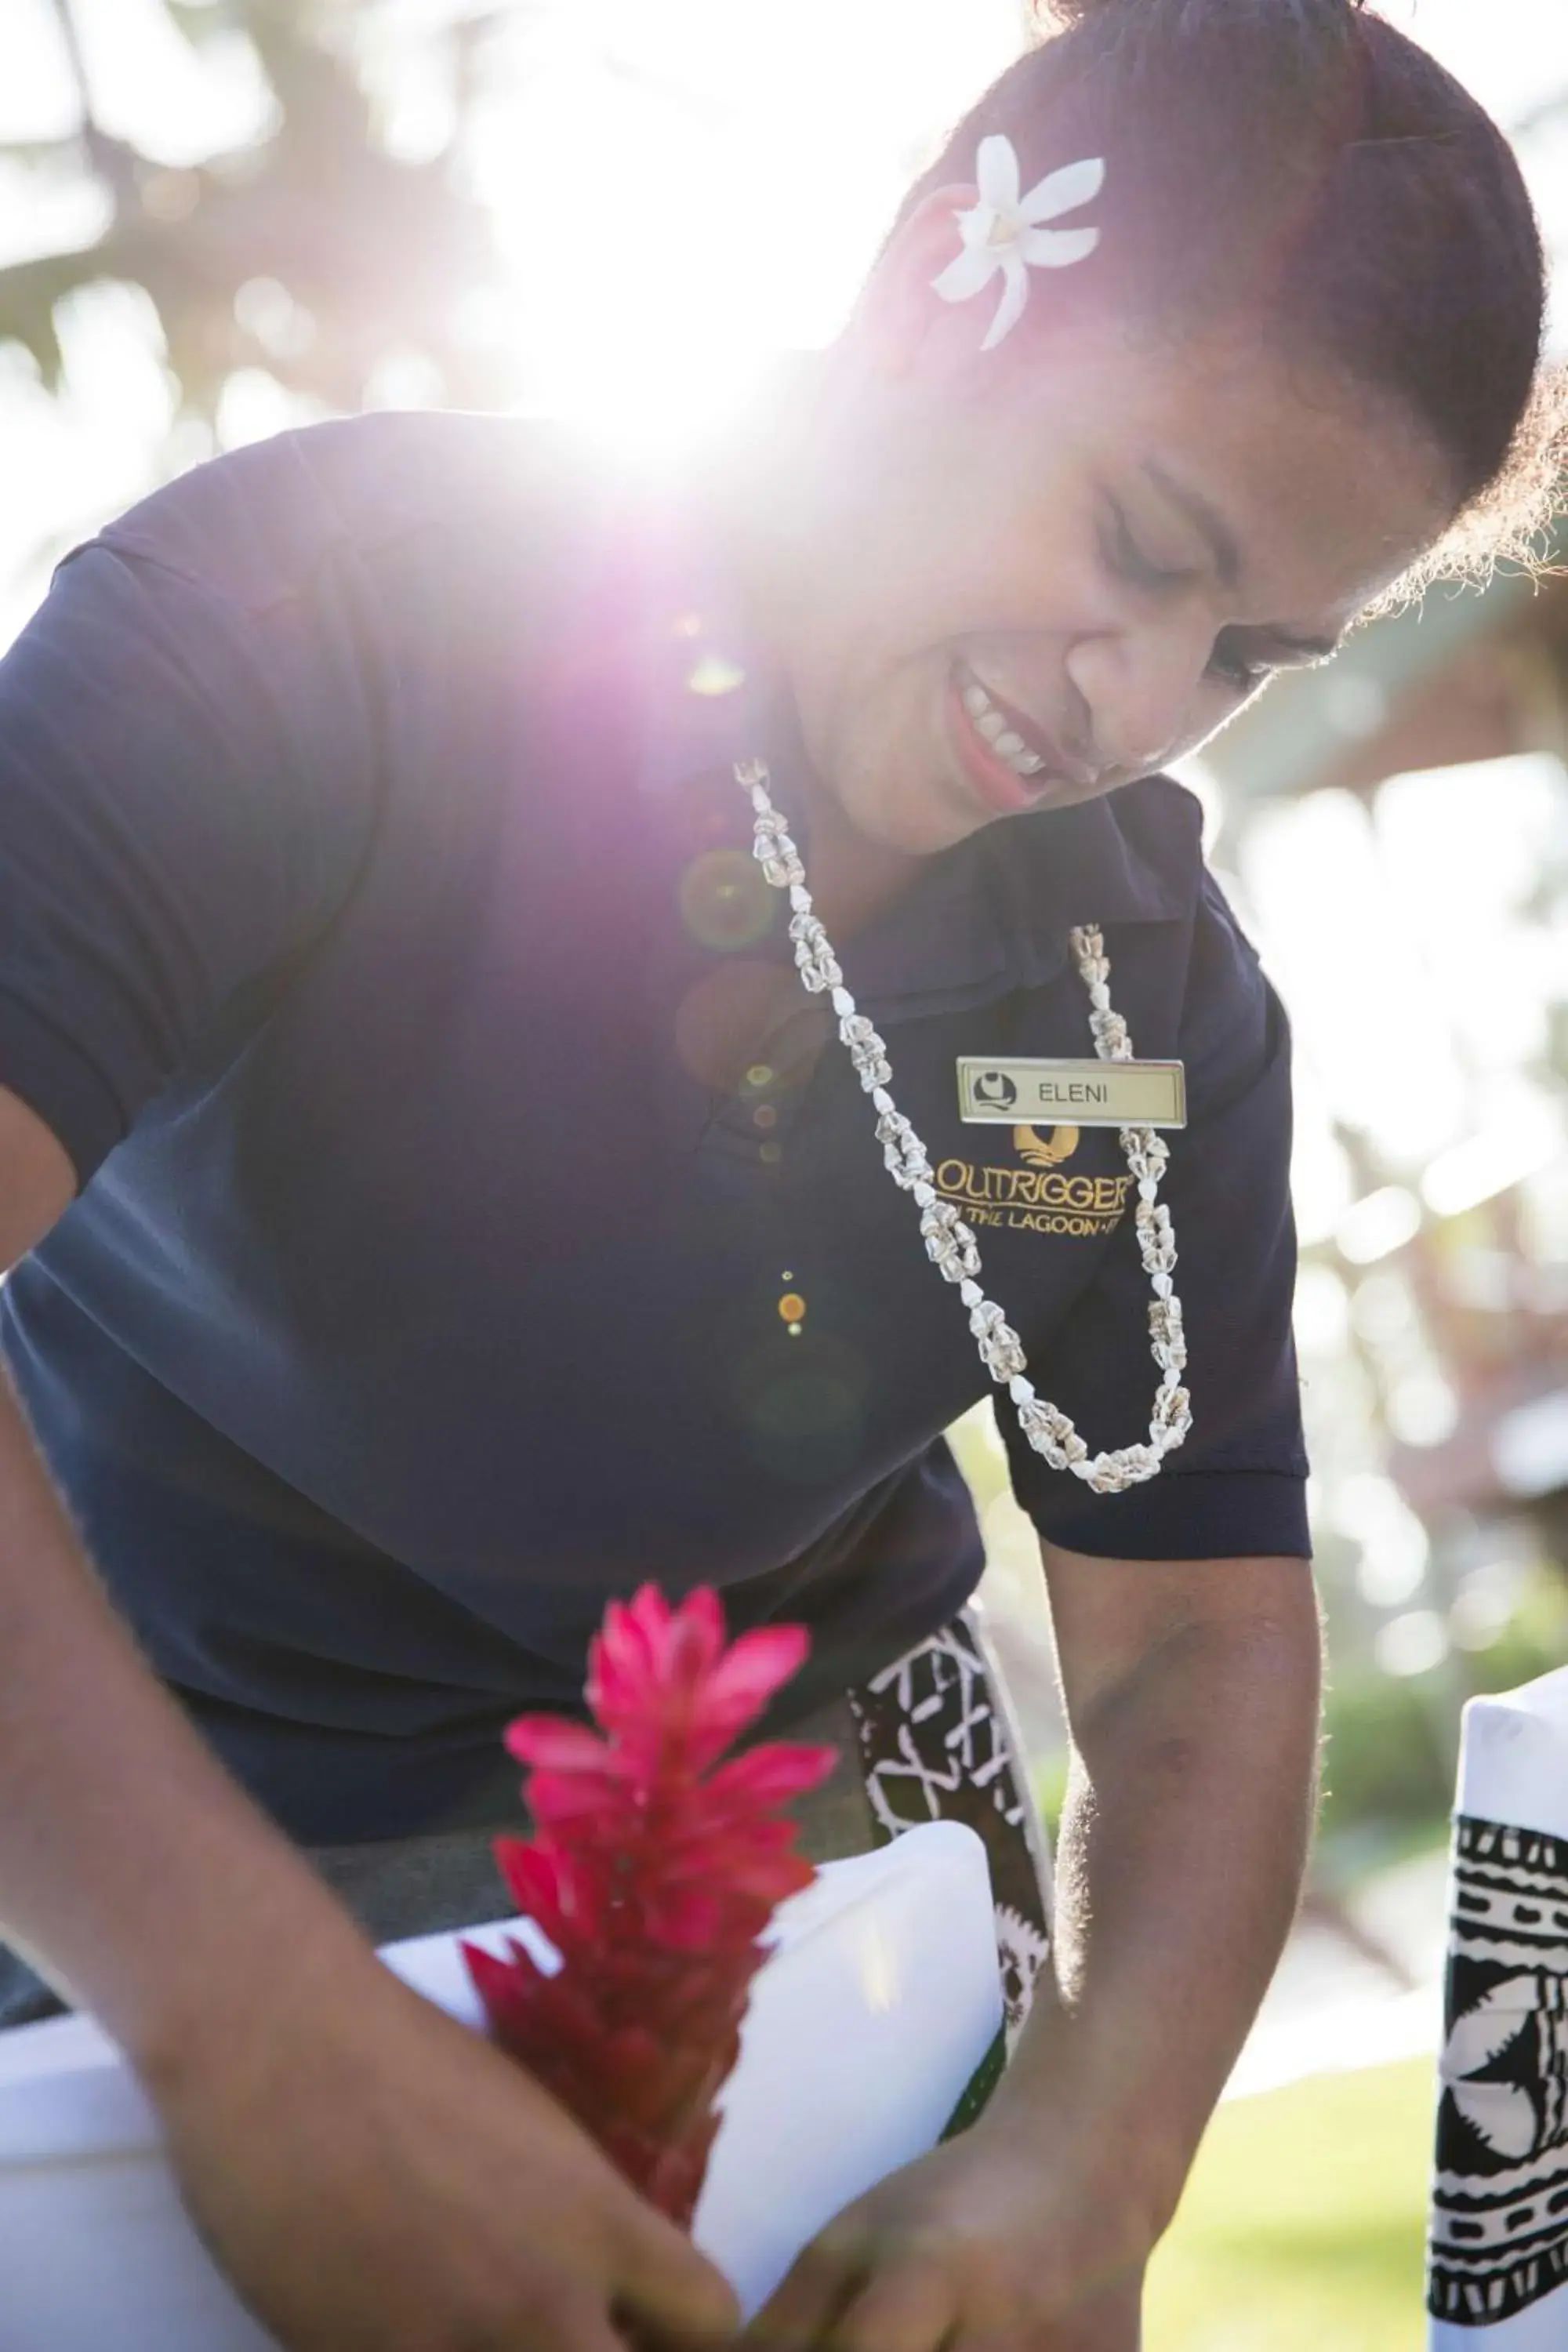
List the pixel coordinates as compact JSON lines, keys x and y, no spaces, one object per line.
{"x":1301,"y":2228}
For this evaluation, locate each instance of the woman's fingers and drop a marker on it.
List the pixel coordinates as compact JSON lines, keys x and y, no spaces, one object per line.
{"x":672,"y":2299}
{"x":910,"y":2308}
{"x":799,"y":2313}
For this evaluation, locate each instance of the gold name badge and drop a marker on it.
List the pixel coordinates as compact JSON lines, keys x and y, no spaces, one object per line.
{"x":1073,"y":1094}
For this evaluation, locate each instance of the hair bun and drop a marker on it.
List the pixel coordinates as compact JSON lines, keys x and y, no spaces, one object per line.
{"x":1166,"y":17}
{"x":1280,"y":78}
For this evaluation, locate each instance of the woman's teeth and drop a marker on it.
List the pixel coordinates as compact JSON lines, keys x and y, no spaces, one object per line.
{"x":990,"y":723}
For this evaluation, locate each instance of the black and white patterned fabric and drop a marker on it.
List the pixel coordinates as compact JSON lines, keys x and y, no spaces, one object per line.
{"x":933,"y":1739}
{"x":1499,"y":2244}
{"x":938,"y":1742}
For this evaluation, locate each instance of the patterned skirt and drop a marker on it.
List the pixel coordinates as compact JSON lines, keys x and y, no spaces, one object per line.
{"x":932,"y":1737}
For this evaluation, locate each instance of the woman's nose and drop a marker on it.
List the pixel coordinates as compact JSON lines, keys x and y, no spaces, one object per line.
{"x":1143,"y":689}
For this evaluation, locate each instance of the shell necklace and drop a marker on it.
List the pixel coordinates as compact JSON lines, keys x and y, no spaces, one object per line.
{"x":949,"y":1244}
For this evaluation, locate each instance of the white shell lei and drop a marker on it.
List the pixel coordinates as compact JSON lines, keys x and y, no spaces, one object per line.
{"x":949,"y":1244}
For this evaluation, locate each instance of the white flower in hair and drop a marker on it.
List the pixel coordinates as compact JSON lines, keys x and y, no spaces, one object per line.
{"x":1005,"y":231}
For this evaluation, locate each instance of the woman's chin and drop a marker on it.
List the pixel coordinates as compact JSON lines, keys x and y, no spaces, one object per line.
{"x":914,"y":822}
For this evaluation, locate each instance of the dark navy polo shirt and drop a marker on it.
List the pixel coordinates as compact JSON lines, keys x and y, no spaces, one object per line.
{"x":370,"y":867}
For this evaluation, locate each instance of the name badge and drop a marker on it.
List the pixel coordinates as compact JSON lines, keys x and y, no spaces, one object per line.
{"x":1071,"y":1093}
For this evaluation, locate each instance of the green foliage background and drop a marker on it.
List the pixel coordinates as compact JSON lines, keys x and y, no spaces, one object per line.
{"x":1303,"y":2223}
{"x":375,"y":251}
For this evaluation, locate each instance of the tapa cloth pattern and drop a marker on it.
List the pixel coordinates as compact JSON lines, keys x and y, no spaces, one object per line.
{"x":1499,"y":2246}
{"x":932,"y":1737}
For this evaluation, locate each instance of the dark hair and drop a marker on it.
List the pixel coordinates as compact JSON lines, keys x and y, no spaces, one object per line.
{"x":1304,"y":162}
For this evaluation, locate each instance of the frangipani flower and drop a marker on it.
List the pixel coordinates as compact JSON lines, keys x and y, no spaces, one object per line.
{"x":654,"y":1873}
{"x":1005,"y":231}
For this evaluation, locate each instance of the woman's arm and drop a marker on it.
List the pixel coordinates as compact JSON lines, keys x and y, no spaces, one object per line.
{"x":369,"y":2173}
{"x":1193,"y":1692}
{"x":131,"y":1870}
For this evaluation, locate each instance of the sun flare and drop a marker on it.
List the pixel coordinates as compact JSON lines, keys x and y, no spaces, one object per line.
{"x":662,"y":238}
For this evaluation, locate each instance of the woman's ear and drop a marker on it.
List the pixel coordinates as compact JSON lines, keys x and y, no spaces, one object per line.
{"x":900,"y":326}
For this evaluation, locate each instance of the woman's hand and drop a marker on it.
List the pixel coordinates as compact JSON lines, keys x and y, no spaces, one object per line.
{"x":373,"y":2178}
{"x":979,"y":2247}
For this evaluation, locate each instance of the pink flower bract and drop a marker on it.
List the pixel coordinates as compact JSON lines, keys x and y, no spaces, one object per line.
{"x":654,"y":1875}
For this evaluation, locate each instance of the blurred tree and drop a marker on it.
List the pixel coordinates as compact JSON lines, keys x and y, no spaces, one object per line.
{"x":315,"y":252}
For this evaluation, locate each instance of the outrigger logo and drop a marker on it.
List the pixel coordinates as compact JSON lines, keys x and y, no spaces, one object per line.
{"x":1041,"y":1196}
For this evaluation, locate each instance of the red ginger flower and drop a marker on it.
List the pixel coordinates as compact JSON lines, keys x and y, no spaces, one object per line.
{"x":654,"y":1873}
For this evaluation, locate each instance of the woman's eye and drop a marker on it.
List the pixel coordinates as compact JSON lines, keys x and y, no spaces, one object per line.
{"x":1233,"y":668}
{"x":1128,"y":560}
{"x":1236,"y":669}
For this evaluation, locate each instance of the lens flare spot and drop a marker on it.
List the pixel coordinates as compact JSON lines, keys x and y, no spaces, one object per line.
{"x":724,"y":901}
{"x":712,"y":676}
{"x":792,"y":1306}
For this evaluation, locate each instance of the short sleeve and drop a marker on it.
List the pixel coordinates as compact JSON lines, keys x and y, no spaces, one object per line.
{"x":1237,"y":1488}
{"x":186,"y":769}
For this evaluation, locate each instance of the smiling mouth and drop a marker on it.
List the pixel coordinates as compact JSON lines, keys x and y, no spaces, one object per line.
{"x":1005,"y":731}
{"x":1013,"y":759}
